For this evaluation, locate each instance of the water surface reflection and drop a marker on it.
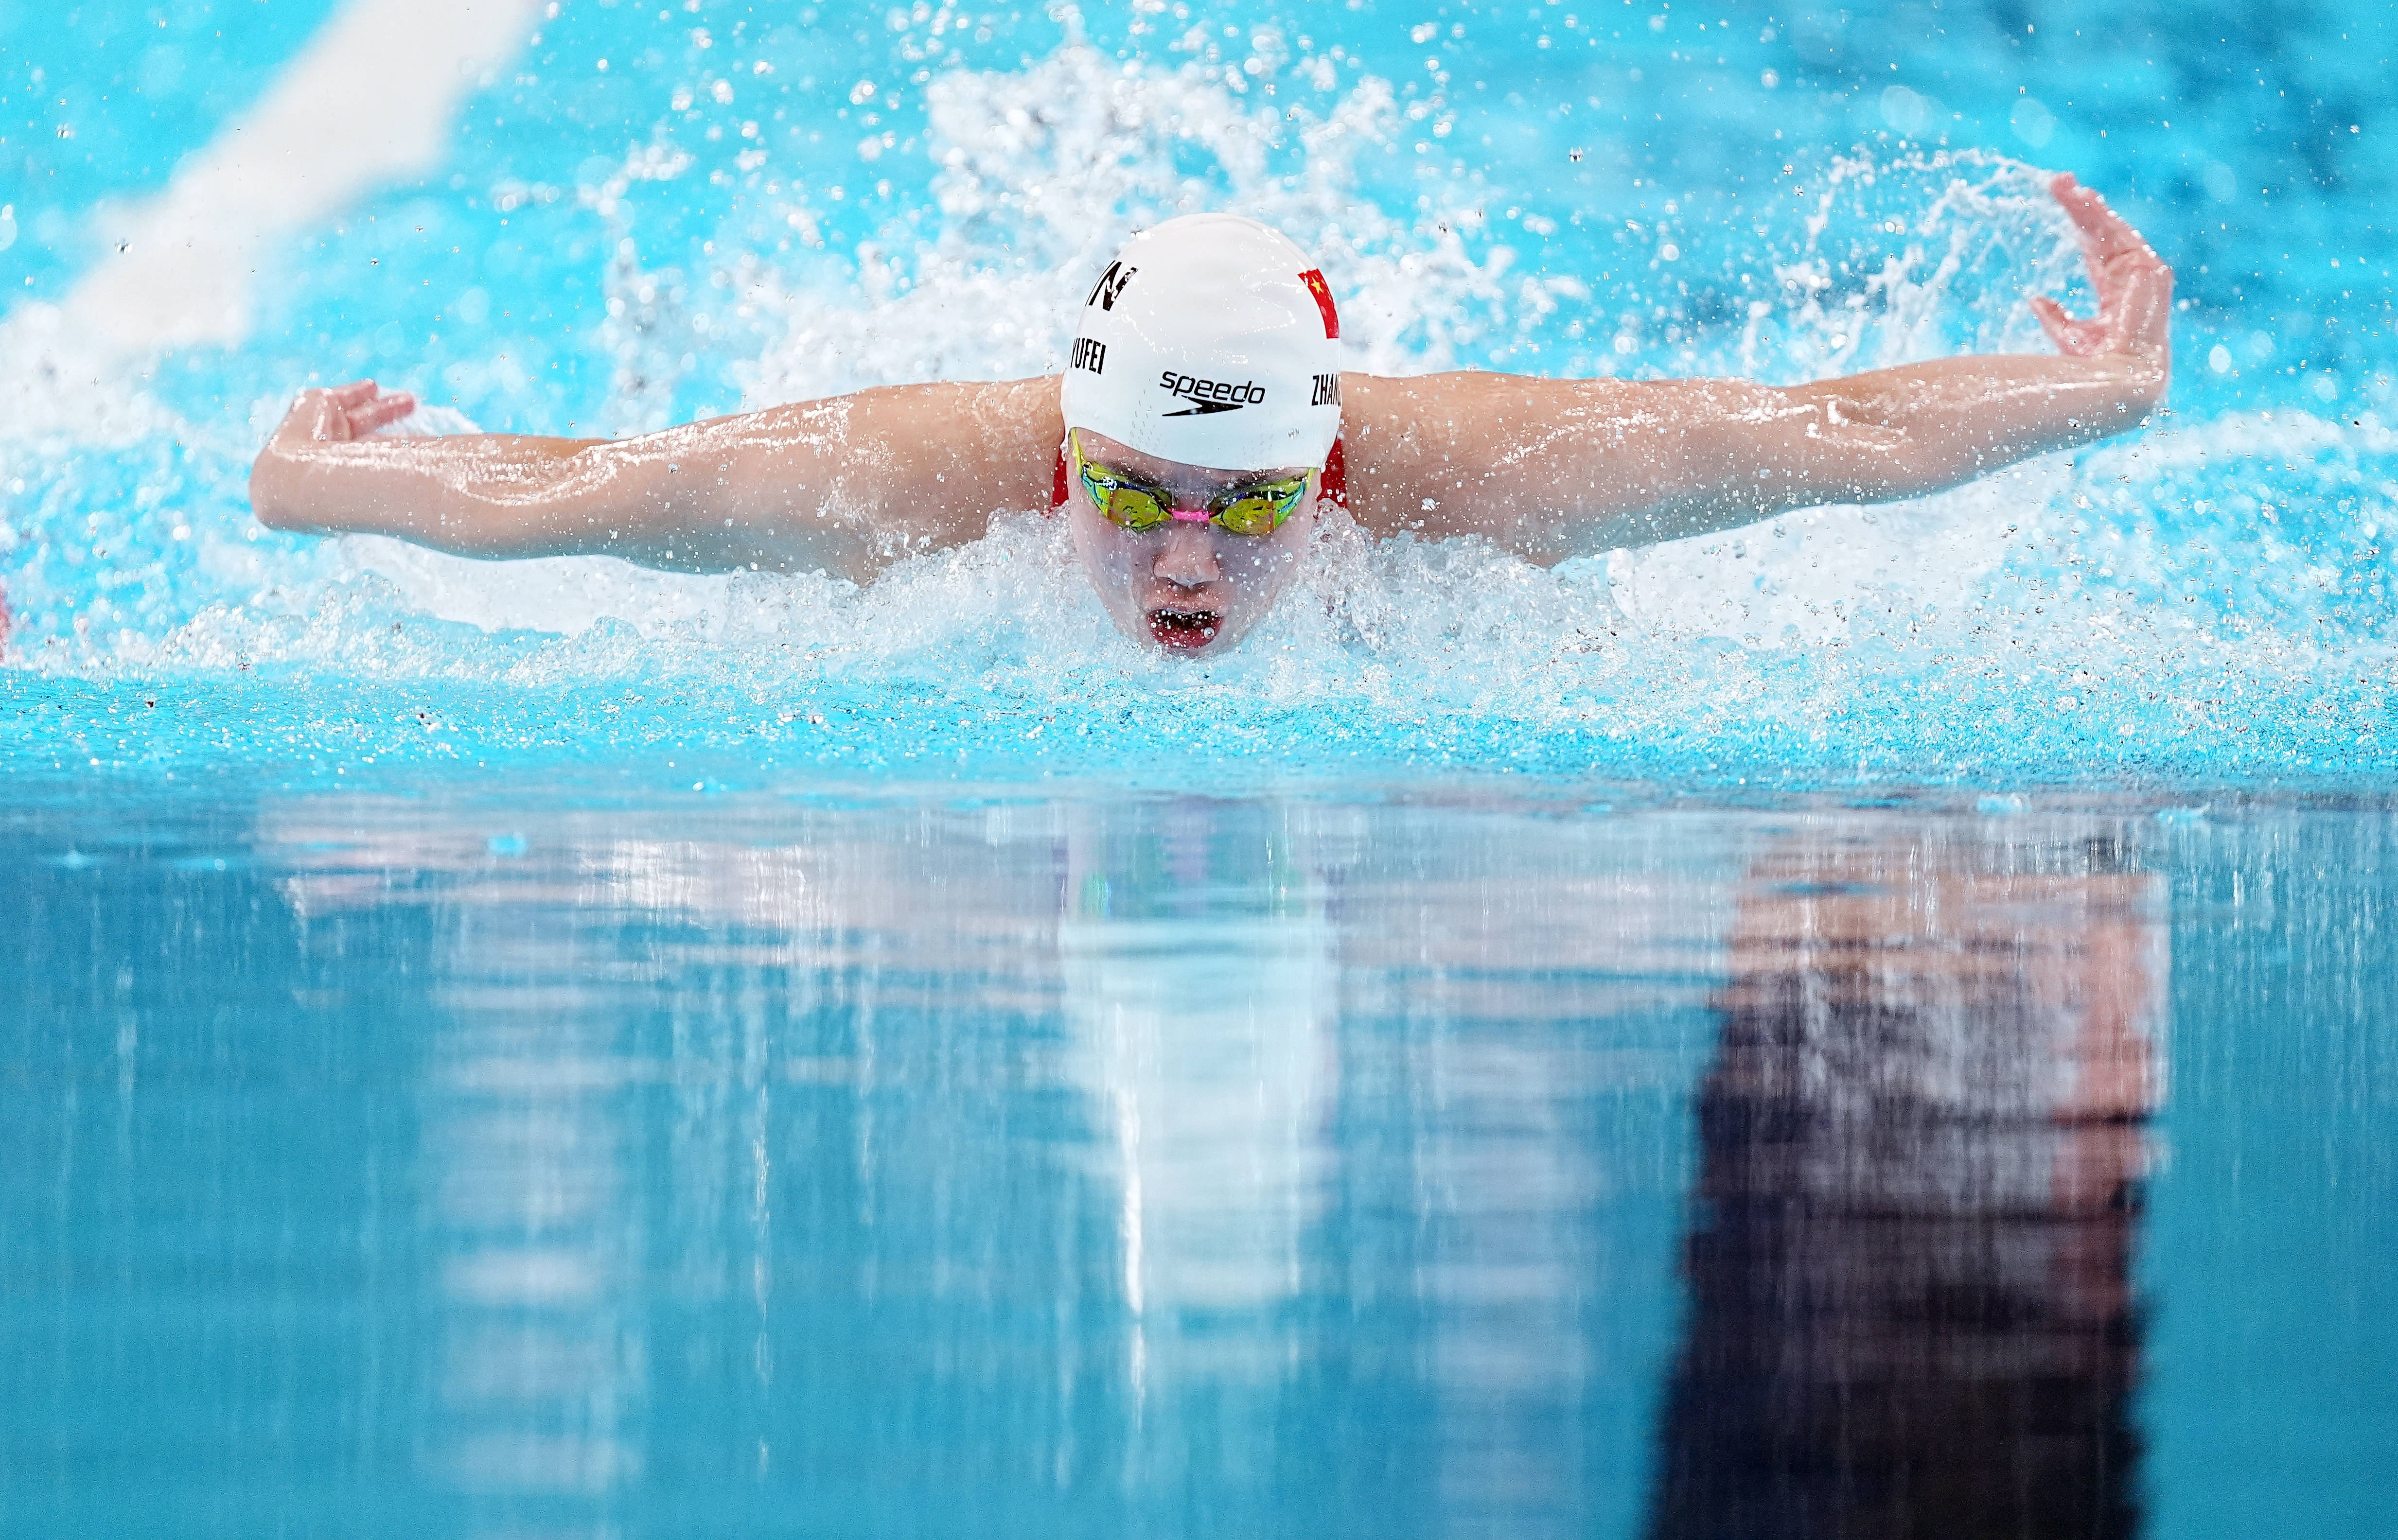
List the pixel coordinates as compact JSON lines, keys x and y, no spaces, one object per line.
{"x":1187,"y":1162}
{"x":1184,"y":1166}
{"x":1911,"y":1310}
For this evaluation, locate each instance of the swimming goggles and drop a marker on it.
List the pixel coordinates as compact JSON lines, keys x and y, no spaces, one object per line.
{"x":1257,"y":508}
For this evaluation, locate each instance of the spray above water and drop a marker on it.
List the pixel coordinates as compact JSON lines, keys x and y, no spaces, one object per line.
{"x":2205,"y":597}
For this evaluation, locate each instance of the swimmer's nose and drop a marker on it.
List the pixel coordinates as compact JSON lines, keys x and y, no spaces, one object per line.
{"x":1188,"y":558}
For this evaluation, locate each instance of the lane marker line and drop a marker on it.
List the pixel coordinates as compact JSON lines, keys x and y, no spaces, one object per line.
{"x":368,"y":101}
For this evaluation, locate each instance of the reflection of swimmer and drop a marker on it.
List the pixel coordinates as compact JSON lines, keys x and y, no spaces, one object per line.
{"x":1911,"y":1305}
{"x":1204,"y":1033}
{"x":1202,"y":416}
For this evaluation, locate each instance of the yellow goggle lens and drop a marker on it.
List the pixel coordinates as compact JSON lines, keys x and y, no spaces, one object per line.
{"x":1134,"y":508}
{"x":1258,"y":510}
{"x":1258,"y":513}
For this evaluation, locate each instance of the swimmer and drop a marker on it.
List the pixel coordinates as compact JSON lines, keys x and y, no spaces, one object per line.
{"x":1202,"y":423}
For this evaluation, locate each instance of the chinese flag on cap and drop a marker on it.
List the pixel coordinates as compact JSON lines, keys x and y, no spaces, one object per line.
{"x":1314,"y":279}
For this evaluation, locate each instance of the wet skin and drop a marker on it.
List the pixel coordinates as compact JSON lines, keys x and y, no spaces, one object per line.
{"x":1190,"y":586}
{"x":1547,"y":469}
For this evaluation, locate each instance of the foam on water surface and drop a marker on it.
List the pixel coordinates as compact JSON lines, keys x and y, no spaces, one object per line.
{"x":2205,"y":599}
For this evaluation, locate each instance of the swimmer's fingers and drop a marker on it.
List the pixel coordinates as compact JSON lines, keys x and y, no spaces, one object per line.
{"x":364,"y":407}
{"x":368,"y":416}
{"x":2074,"y":338}
{"x":2119,"y":260}
{"x":2134,"y":286}
{"x":340,"y":414}
{"x":315,"y":415}
{"x":2106,"y":236}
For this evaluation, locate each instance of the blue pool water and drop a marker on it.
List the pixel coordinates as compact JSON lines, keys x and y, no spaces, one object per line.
{"x":1878,"y":1017}
{"x":1450,"y":1164}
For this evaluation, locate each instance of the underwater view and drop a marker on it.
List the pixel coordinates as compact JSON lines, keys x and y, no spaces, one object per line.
{"x":1881,"y":1020}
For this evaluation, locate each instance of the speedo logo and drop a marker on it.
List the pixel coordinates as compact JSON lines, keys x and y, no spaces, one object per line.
{"x":1209,"y":395}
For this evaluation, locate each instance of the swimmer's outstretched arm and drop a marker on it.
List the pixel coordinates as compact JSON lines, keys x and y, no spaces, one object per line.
{"x":846,"y":485}
{"x":1554,"y":468}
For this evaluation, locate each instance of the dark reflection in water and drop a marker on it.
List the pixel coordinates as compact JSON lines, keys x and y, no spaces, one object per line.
{"x":1911,"y":1305}
{"x":1173,"y":1167}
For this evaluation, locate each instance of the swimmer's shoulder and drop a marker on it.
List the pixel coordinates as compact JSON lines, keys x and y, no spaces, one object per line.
{"x":1413,"y":444}
{"x":1522,"y":460}
{"x":848,"y":483}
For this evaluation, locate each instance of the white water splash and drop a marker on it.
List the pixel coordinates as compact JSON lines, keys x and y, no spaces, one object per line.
{"x":2065,"y":591}
{"x":1045,"y":171}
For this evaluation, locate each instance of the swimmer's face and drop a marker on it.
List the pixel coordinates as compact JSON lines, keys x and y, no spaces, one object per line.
{"x":1189,"y":587}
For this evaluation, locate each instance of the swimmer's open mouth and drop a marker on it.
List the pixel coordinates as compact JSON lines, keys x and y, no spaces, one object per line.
{"x":1184,"y":627}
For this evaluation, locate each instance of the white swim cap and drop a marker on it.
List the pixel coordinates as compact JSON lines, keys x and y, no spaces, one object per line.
{"x":1210,"y":340}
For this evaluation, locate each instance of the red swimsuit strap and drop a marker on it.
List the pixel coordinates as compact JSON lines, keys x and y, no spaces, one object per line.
{"x":1335,"y":480}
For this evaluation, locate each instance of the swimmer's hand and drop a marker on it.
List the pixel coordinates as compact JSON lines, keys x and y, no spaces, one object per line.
{"x":2135,"y":319}
{"x":340,"y":414}
{"x":1554,"y":468}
